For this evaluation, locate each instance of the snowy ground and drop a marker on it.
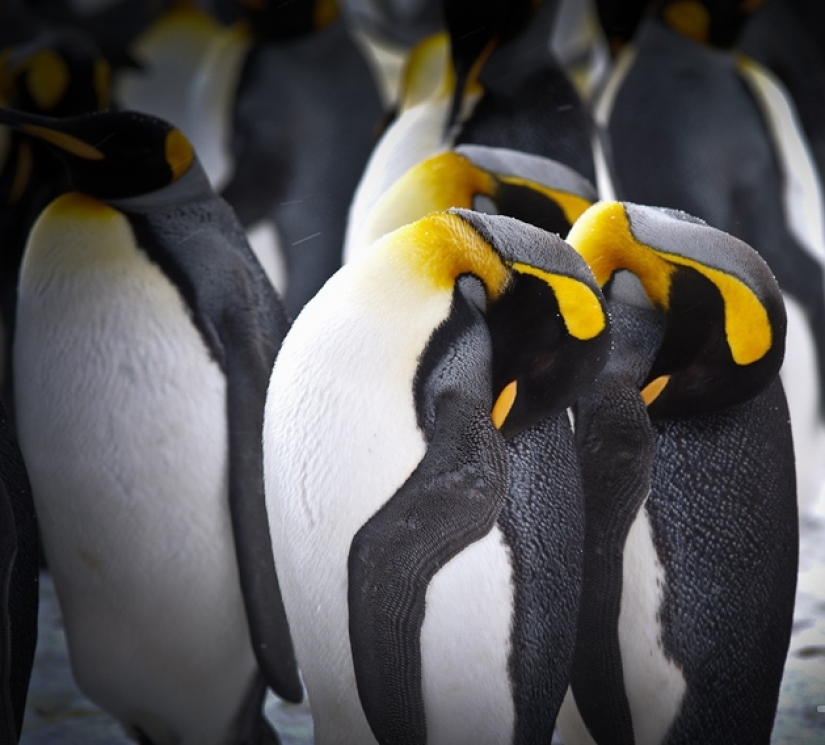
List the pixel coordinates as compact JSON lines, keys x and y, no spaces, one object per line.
{"x":58,"y":714}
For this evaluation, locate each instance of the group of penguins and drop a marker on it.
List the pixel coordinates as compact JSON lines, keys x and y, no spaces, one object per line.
{"x":455,"y":365}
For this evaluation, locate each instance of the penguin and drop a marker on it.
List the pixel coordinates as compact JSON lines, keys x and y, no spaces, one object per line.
{"x":58,"y":72}
{"x":490,"y":80}
{"x":274,"y":104}
{"x":531,"y":188}
{"x":421,"y":479}
{"x":304,"y":120}
{"x":19,"y":572}
{"x":691,"y":526}
{"x":146,"y":330}
{"x":726,"y":147}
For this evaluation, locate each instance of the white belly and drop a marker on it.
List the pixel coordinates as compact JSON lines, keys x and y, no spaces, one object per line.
{"x":465,"y":646}
{"x":122,"y":424}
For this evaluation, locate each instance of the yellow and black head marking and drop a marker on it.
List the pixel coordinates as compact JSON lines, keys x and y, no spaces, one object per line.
{"x":546,"y":315}
{"x":60,"y":73}
{"x":531,"y":188}
{"x":724,"y":315}
{"x":111,"y":155}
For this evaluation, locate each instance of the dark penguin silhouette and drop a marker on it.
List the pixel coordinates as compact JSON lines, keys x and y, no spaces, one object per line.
{"x":19,"y":568}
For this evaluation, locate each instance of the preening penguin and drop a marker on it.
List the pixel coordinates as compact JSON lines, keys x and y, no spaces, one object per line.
{"x":737,"y":159}
{"x":691,"y":535}
{"x":490,"y":80}
{"x":530,"y":188}
{"x":19,"y":572}
{"x":146,"y":332}
{"x":422,"y":486}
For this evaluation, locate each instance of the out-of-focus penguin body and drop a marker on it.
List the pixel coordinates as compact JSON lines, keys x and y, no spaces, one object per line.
{"x":282,"y":109}
{"x":304,"y":121}
{"x":691,"y":534}
{"x":146,"y":330}
{"x":491,"y":81}
{"x":721,"y":153}
{"x":429,"y":565}
{"x":19,"y":568}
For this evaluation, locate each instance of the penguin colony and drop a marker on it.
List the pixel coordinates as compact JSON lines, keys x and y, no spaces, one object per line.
{"x":490,"y":445}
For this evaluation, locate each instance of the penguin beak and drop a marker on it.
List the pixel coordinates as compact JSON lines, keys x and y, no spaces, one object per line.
{"x":49,"y":130}
{"x":504,"y":404}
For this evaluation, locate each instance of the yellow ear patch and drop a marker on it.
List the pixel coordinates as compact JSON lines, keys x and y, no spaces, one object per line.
{"x":64,"y":141}
{"x":605,"y":240}
{"x":436,"y":184}
{"x":427,"y":72}
{"x":580,"y":308}
{"x":47,"y":78}
{"x":504,"y":404}
{"x":179,"y":153}
{"x":441,"y":247}
{"x":689,"y":18}
{"x":324,"y":13}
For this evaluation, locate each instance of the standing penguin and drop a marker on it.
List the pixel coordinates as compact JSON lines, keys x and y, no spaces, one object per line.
{"x":691,"y":533}
{"x":422,"y":486}
{"x":19,"y":573}
{"x":146,"y":332}
{"x":490,"y":80}
{"x":693,"y":125}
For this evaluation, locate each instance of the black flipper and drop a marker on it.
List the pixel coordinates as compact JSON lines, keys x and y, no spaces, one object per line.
{"x":452,"y":499}
{"x":242,"y":322}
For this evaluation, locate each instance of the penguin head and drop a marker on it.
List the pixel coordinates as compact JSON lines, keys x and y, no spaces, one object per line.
{"x":532,"y":188}
{"x":475,"y":29}
{"x":62,"y":72}
{"x":724,"y":335}
{"x":111,"y":154}
{"x":277,"y":21}
{"x":716,"y":23}
{"x":546,"y":315}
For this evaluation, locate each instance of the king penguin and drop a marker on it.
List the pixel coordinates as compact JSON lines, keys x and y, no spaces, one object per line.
{"x":421,"y":480}
{"x":726,"y":146}
{"x":146,"y":333}
{"x":500,"y":181}
{"x":19,"y":576}
{"x":492,"y":80}
{"x":691,"y":527}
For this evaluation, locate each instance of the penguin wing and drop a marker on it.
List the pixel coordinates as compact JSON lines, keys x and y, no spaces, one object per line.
{"x":452,"y":499}
{"x":243,"y":322}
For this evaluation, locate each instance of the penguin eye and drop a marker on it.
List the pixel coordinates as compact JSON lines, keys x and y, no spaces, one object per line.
{"x":504,"y":404}
{"x":483,"y":203}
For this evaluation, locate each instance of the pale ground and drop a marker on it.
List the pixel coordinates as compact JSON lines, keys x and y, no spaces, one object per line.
{"x":58,"y":714}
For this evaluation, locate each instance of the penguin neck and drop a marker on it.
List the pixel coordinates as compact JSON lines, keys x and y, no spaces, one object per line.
{"x":190,"y":187}
{"x":616,"y":444}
